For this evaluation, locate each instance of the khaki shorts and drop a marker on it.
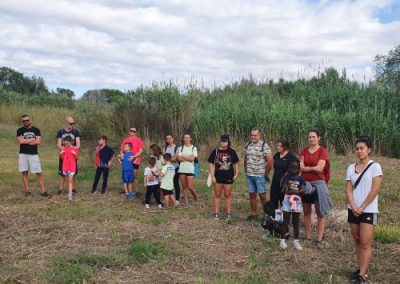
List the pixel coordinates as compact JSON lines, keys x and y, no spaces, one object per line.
{"x":29,"y":163}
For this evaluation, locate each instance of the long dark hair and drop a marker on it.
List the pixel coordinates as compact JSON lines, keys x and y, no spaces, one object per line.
{"x":156,"y":150}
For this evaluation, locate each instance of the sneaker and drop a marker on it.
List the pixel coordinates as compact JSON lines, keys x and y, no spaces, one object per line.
{"x":283,"y":244}
{"x":216,"y":216}
{"x":228,"y":218}
{"x":45,"y":194}
{"x":176,"y":202}
{"x":94,"y":192}
{"x":147,"y":206}
{"x":103,"y":192}
{"x":360,"y":280}
{"x":297,"y":245}
{"x":159,"y":206}
{"x":70,"y":198}
{"x":354,"y":275}
{"x":59,"y":192}
{"x":319,"y":245}
{"x":74,"y":191}
{"x":252,"y":217}
{"x":130,"y":196}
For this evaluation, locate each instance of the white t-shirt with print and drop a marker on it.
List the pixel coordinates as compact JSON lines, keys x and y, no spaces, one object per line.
{"x":150,"y":177}
{"x":186,"y":166}
{"x":365,"y":185}
{"x":167,"y":180}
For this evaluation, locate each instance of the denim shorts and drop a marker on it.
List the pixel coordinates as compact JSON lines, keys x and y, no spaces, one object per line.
{"x":127,"y":176}
{"x":256,"y":184}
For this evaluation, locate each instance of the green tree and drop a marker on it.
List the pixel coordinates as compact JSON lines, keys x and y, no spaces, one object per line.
{"x":65,"y":92}
{"x":388,"y":69}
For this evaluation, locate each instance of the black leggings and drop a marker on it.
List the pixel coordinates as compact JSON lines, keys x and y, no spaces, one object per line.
{"x":176,"y":185}
{"x":155,"y":191}
{"x":295,"y":222}
{"x":99,"y":171}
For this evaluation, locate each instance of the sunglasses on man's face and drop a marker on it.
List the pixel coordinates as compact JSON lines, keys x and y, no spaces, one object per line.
{"x":134,"y":131}
{"x":71,"y":123}
{"x":25,"y":120}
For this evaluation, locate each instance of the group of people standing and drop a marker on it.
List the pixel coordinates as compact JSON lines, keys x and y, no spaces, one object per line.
{"x":298,"y":181}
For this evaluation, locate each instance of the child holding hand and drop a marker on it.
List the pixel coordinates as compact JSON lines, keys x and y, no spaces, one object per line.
{"x":69,"y":155}
{"x":293,"y":186}
{"x":126,"y":160}
{"x":152,"y":183}
{"x":167,"y":182}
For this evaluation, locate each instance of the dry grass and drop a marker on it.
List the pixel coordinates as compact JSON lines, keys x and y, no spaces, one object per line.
{"x":91,"y":239}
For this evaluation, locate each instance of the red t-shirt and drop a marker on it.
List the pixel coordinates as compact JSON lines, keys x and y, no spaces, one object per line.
{"x":311,"y":160}
{"x":137,"y":144}
{"x":69,"y":157}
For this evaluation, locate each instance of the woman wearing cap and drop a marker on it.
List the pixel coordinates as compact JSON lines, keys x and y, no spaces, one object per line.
{"x":363,"y":183}
{"x":224,"y":170}
{"x":314,"y":166}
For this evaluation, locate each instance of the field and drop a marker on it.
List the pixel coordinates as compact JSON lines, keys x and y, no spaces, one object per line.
{"x":107,"y":239}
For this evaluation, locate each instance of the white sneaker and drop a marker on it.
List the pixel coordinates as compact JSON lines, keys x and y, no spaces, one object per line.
{"x":283,"y":244}
{"x":297,"y":245}
{"x":70,"y":198}
{"x":159,"y":206}
{"x":147,"y":206}
{"x":176,"y":202}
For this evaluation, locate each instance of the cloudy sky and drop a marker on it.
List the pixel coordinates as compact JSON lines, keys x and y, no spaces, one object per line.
{"x":82,"y":44}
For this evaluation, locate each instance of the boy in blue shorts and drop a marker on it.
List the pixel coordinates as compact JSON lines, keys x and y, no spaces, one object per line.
{"x":126,"y":160}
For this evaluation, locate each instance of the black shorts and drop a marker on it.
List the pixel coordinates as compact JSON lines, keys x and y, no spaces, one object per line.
{"x":60,"y":171}
{"x":136,"y":167}
{"x":186,"y":174}
{"x":310,"y":198}
{"x":367,"y":218}
{"x":167,"y":192}
{"x":224,"y":181}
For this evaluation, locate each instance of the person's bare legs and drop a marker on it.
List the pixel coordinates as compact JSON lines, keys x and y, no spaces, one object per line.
{"x":25,"y":181}
{"x":263,"y":198}
{"x":135,"y":181}
{"x":321,"y":221}
{"x":307,"y":209}
{"x":365,"y":247}
{"x":355,"y":232}
{"x":61,"y":182}
{"x":190,"y":186}
{"x":185,"y":189}
{"x":217,"y":197}
{"x":228,"y":198}
{"x":253,"y":203}
{"x":173,"y":200}
{"x":41,"y":181}
{"x":70,"y":184}
{"x":126,"y":188}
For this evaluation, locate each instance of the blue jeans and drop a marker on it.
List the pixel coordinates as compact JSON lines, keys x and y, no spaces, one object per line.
{"x":256,"y":184}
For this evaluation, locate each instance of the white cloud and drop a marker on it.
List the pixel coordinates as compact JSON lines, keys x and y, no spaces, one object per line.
{"x":122,"y":44}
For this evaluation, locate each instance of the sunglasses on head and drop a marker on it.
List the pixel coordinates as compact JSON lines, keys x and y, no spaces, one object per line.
{"x":25,"y":120}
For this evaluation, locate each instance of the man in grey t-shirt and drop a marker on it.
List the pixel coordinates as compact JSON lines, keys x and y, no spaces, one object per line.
{"x":257,"y":165}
